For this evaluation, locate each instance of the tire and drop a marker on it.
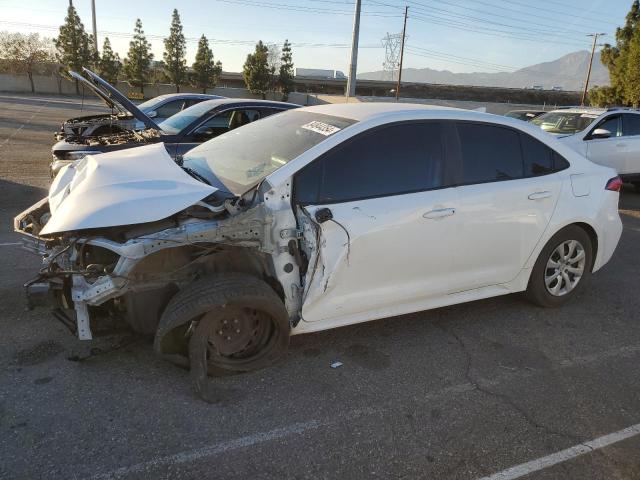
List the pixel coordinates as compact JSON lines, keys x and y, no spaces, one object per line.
{"x":234,"y":322}
{"x":543,"y":288}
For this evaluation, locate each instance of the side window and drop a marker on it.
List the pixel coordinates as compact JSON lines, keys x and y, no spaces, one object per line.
{"x":489,"y":153}
{"x":612,"y":124}
{"x":265,"y":112}
{"x":223,"y":122}
{"x":630,"y":124}
{"x":191,"y":102}
{"x":537,"y":157}
{"x":391,"y":160}
{"x":559,"y":162}
{"x":169,"y":109}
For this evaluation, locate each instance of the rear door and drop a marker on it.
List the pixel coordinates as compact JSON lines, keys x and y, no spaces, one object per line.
{"x":387,"y":245}
{"x":612,"y":151}
{"x":507,"y":193}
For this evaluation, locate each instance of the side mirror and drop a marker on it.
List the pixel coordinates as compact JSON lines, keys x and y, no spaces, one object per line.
{"x":152,"y":114}
{"x":601,"y":133}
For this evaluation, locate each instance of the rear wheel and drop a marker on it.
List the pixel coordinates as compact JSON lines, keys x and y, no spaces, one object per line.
{"x":562,"y":268}
{"x":232,"y":322}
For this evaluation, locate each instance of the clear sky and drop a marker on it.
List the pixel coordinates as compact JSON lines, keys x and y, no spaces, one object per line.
{"x":457,"y":35}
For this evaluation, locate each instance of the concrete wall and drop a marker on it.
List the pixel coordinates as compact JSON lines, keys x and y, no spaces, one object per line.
{"x":60,"y":86}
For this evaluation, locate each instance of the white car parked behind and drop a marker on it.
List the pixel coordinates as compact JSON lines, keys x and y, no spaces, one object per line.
{"x":607,"y":137}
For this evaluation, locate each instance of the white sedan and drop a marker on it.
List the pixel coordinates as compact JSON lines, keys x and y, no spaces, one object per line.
{"x":317,"y":218}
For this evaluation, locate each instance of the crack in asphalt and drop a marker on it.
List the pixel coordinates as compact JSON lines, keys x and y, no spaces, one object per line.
{"x":501,"y":396}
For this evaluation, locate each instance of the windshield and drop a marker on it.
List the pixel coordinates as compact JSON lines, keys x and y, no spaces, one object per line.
{"x":241,"y":158}
{"x":564,"y":122}
{"x":186,"y":117}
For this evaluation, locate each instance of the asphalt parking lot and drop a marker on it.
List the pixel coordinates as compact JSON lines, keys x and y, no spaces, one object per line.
{"x":463,"y":392}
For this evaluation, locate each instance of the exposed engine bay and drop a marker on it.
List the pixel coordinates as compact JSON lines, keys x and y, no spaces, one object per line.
{"x":105,"y":258}
{"x":94,"y":125}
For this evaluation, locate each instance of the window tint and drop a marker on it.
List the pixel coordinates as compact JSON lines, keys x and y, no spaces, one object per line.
{"x":630,"y":124}
{"x":489,"y":153}
{"x":192,"y":101}
{"x":391,"y":160}
{"x":559,"y":162}
{"x":265,"y":112}
{"x":229,"y":120}
{"x":537,"y":157}
{"x":612,"y":124}
{"x":170,"y":108}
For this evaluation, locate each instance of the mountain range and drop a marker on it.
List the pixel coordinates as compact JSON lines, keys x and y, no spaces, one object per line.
{"x":567,"y":72}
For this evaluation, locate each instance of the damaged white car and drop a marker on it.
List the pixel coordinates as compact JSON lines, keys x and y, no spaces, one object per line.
{"x":313,"y":219}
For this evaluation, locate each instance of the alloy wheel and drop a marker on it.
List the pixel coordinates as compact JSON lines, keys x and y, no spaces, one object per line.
{"x":565,"y":268}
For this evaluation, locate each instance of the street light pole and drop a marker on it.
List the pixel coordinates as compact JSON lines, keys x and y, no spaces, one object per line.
{"x":95,"y":30}
{"x":353,"y":67}
{"x":404,"y":33}
{"x":593,"y":50}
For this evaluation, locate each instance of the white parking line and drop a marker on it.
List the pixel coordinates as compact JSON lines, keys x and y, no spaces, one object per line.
{"x":564,"y":455}
{"x":10,"y":244}
{"x":298,"y":428}
{"x":211,"y":450}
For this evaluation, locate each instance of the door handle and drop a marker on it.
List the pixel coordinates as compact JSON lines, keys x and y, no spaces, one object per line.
{"x":439,"y":213}
{"x":539,"y":195}
{"x":621,"y":145}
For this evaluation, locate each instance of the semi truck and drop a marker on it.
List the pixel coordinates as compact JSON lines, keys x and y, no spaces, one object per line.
{"x":320,"y":73}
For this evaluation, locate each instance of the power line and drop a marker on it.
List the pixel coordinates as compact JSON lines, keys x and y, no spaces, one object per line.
{"x":522,"y":32}
{"x":190,"y":39}
{"x":296,"y":8}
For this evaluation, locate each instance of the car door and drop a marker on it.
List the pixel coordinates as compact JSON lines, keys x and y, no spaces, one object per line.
{"x":386,"y":245}
{"x":217,"y":124}
{"x":506,"y":195}
{"x":631,"y":140}
{"x":612,"y":151}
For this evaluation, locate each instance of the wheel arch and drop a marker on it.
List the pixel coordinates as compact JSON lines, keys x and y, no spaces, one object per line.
{"x":593,"y":236}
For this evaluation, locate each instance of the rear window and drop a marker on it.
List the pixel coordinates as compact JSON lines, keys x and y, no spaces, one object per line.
{"x":489,"y":153}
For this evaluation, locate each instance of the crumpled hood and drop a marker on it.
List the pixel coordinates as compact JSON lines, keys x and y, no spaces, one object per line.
{"x":137,"y":185}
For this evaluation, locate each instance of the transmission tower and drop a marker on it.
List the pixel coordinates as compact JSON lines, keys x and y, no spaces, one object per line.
{"x":391,"y":44}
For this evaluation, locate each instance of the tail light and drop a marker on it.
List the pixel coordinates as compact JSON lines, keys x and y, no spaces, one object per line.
{"x":615,"y":184}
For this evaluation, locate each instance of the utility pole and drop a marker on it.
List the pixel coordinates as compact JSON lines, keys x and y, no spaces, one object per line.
{"x":404,"y":34}
{"x":593,"y":50}
{"x":353,"y":67}
{"x":95,"y":30}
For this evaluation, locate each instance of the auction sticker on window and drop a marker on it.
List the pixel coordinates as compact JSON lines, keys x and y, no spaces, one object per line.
{"x":321,"y":128}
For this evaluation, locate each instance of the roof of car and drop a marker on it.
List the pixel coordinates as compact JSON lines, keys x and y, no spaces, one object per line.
{"x":582,"y":110}
{"x":527,"y":111}
{"x":187,"y":95}
{"x":363,"y":111}
{"x":249,"y":101}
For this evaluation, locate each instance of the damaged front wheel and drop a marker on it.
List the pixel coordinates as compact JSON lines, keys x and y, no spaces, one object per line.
{"x":233,"y":322}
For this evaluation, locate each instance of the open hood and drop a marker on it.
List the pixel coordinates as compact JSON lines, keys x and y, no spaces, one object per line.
{"x":102,"y":95}
{"x":133,"y":186}
{"x":113,"y":97}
